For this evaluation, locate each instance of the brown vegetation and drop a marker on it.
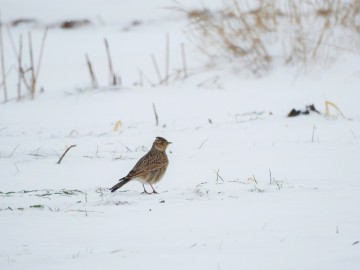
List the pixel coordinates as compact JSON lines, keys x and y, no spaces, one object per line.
{"x":253,"y":34}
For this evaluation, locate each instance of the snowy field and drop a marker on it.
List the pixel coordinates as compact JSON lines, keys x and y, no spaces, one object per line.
{"x":246,"y":188}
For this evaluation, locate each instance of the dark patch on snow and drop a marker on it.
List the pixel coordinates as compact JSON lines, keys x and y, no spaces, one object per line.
{"x":307,"y":111}
{"x":71,"y":24}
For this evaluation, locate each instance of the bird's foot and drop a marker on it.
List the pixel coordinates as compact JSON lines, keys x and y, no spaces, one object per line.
{"x":154,"y":191}
{"x":145,"y":191}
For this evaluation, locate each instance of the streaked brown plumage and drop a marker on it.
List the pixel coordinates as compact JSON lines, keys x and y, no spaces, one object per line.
{"x":151,"y":168}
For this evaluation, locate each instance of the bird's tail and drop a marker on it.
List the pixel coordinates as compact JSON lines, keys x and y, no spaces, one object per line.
{"x":122,"y":182}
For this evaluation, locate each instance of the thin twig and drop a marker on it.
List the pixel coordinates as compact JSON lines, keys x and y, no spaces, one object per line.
{"x":13,"y":151}
{"x":7,"y":74}
{"x":92,"y":74}
{"x":41,"y":53}
{"x":141,"y":78}
{"x":183,"y":56}
{"x":18,"y":56}
{"x":352,"y":132}
{"x":23,"y":78}
{"x":201,"y":145}
{"x":313,"y":133}
{"x":156,"y":68}
{"x":254,"y":179}
{"x":112,"y":77}
{"x":148,"y":80}
{"x":17,"y":168}
{"x":3,"y":61}
{"x":218,"y":176}
{"x":63,"y":155}
{"x":272,"y":179}
{"x":20,"y":70}
{"x":167,"y":58}
{"x":156,"y":115}
{"x":32,"y":69}
{"x":12,"y":41}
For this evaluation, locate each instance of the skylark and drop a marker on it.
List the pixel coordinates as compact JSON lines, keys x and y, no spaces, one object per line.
{"x":150,"y":168}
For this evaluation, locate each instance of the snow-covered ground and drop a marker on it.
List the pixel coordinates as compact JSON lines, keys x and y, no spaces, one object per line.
{"x":217,"y":207}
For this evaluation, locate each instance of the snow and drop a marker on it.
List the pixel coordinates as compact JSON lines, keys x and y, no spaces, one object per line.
{"x":305,"y":216}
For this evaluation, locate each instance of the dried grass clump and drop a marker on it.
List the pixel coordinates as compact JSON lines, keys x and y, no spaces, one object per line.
{"x":28,"y":72}
{"x":22,"y":21}
{"x":253,"y":34}
{"x":72,"y":24}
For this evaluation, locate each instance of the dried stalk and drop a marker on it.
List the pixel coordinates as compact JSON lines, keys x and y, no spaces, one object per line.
{"x":20,"y":71}
{"x":156,"y":68}
{"x":94,"y":81}
{"x":63,"y":155}
{"x":20,"y":68}
{"x":241,"y":31}
{"x":13,"y":151}
{"x":183,"y":56}
{"x":33,"y":77}
{"x":34,"y":72}
{"x":141,"y":78}
{"x":329,"y":104}
{"x":156,"y":115}
{"x":6,"y":75}
{"x":41,"y":53}
{"x":167,"y":59}
{"x":117,"y":126}
{"x":218,"y":176}
{"x":3,"y":62}
{"x":112,"y":76}
{"x":12,"y":41}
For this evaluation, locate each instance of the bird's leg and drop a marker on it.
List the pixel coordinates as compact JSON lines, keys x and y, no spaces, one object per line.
{"x":154,"y":191}
{"x":145,"y":192}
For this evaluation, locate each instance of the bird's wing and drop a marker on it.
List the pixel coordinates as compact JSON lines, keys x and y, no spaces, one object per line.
{"x":147,"y":164}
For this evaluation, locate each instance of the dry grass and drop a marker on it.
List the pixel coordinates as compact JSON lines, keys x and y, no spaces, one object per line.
{"x":329,"y":104}
{"x":253,"y":34}
{"x":28,"y":72}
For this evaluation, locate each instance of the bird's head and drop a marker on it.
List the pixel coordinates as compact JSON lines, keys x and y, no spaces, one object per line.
{"x":161,"y":144}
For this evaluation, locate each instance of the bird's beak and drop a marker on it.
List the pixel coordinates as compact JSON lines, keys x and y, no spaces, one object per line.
{"x":169,"y":142}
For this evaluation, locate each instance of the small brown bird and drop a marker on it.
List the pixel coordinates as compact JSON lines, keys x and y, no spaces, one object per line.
{"x":150,"y":168}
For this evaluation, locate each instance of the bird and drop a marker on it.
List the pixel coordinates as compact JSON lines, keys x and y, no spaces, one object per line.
{"x":150,"y":169}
